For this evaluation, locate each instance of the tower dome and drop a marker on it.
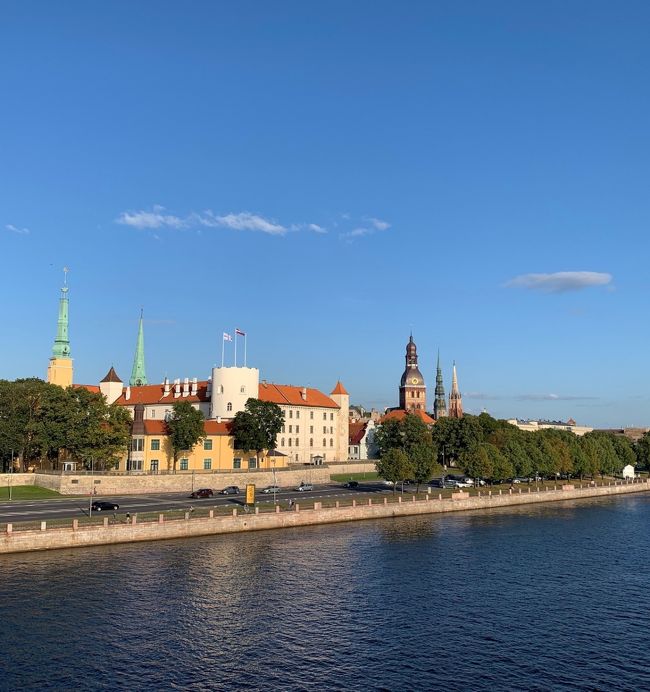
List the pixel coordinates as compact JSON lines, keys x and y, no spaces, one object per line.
{"x":412,"y":390}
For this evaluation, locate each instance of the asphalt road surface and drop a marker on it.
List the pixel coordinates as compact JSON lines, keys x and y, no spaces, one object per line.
{"x":61,"y":508}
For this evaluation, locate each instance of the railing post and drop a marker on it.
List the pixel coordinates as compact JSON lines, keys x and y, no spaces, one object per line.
{"x":385,"y":500}
{"x":75,"y":524}
{"x":211,"y":514}
{"x":43,"y":526}
{"x":105,"y":522}
{"x":234,"y":511}
{"x":297,"y":506}
{"x":10,"y":528}
{"x":277,"y":509}
{"x":161,"y":518}
{"x":338,"y":504}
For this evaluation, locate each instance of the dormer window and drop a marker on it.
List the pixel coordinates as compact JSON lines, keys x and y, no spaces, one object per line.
{"x":229,"y":406}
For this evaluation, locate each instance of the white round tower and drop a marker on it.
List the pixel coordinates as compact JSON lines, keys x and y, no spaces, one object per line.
{"x":231,"y":389}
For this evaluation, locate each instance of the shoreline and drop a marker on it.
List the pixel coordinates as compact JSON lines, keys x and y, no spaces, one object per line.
{"x":75,"y":536}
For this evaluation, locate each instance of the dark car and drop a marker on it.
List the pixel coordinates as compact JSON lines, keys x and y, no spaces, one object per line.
{"x":230,"y":490}
{"x":351,"y":484}
{"x":201,"y":492}
{"x":103,"y":506}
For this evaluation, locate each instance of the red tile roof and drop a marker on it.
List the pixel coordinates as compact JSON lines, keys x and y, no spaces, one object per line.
{"x":159,"y":427}
{"x":288,"y":394}
{"x":400,"y":414}
{"x":339,"y":389}
{"x":90,"y":387}
{"x":276,"y":393}
{"x":356,"y":432}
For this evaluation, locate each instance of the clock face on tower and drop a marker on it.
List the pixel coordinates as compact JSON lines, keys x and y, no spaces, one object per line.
{"x":414,"y":380}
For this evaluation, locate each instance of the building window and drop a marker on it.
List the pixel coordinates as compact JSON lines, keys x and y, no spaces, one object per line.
{"x":152,"y":413}
{"x":325,"y":429}
{"x":184,"y":464}
{"x":331,"y":430}
{"x":290,"y":413}
{"x":207,"y":464}
{"x":220,"y":389}
{"x":297,"y":458}
{"x":331,"y":442}
{"x":154,"y":465}
{"x":289,"y":442}
{"x":155,"y":445}
{"x":207,"y":445}
{"x":229,"y":406}
{"x":282,"y":429}
{"x":297,"y":442}
{"x":137,"y":444}
{"x":252,"y":463}
{"x":311,"y":415}
{"x":297,"y":414}
{"x":282,"y":442}
{"x":297,"y":428}
{"x":236,"y":463}
{"x":311,"y":429}
{"x":291,"y":428}
{"x":324,"y":415}
{"x":311,"y":442}
{"x":324,"y":442}
{"x":331,"y":416}
{"x":242,"y":390}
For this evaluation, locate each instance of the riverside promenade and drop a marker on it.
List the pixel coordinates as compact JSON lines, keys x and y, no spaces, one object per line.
{"x":306,"y":514}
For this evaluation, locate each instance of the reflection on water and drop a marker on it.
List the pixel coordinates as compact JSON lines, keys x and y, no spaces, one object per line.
{"x":534,"y":597}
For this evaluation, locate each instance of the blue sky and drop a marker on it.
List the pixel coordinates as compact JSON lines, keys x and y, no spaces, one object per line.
{"x":327,"y":177}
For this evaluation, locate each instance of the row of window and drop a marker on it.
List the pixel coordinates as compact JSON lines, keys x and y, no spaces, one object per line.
{"x":311,"y":429}
{"x":136,"y":465}
{"x":311,"y":442}
{"x":137,"y":445}
{"x":311,"y":414}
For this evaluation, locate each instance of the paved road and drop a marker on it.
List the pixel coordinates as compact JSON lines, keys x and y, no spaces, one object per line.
{"x":43,"y":510}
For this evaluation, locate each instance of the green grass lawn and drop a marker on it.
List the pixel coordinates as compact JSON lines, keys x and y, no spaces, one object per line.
{"x":27,"y":492}
{"x":345,"y":477}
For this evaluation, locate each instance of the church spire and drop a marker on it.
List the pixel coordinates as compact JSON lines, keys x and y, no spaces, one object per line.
{"x":455,"y":399}
{"x":61,"y":348}
{"x":440,"y":403}
{"x":138,"y":374}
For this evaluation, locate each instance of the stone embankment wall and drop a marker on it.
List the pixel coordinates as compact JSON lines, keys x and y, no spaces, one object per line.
{"x":75,"y":536}
{"x":181,"y":482}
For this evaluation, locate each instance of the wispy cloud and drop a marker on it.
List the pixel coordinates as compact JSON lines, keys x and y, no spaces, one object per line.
{"x":378,"y":224}
{"x":481,"y":396}
{"x":243,"y":221}
{"x":559,"y":282}
{"x":156,"y":218}
{"x":16,"y":229}
{"x":554,"y":397}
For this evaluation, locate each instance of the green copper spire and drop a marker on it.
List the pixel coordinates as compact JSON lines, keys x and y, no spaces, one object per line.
{"x":138,"y":374}
{"x":440,"y":403}
{"x":61,"y":348}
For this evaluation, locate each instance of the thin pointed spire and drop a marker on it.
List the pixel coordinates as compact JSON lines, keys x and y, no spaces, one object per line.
{"x":61,"y":348}
{"x":138,"y":374}
{"x":455,"y":398}
{"x":440,"y":402}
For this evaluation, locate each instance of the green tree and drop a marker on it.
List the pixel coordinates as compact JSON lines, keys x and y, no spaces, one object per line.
{"x":455,"y":437}
{"x":642,"y":450}
{"x":257,"y":427}
{"x":388,"y":435}
{"x":395,"y":466}
{"x":624,"y":450}
{"x":478,"y":462}
{"x":423,"y":457}
{"x":186,"y":428}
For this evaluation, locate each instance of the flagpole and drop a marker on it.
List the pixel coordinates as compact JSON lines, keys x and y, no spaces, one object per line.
{"x":223,"y":346}
{"x":245,"y":349}
{"x":235,"y":347}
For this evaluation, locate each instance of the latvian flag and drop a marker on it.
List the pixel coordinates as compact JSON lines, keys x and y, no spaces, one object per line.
{"x":239,"y":331}
{"x":227,"y":337}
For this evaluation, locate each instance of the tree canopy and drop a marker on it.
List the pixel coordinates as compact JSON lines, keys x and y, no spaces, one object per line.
{"x":257,"y":427}
{"x":186,"y":428}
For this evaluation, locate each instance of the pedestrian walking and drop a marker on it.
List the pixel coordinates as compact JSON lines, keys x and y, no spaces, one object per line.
{"x":128,"y":517}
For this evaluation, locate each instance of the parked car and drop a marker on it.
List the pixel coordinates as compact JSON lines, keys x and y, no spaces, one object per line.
{"x":104,"y":506}
{"x":201,"y":492}
{"x":303,"y":487}
{"x":462,"y":484}
{"x":230,"y":490}
{"x":351,"y":484}
{"x":390,"y":484}
{"x":271,"y":489}
{"x":436,"y":483}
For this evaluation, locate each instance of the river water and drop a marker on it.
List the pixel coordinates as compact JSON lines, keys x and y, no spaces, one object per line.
{"x":547,"y":597}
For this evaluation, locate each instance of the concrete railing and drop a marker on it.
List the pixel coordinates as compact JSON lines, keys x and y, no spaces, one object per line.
{"x":372,"y":508}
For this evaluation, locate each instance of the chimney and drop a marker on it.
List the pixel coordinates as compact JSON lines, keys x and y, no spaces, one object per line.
{"x":303,"y":393}
{"x":167,"y":388}
{"x":186,"y":386}
{"x":195,"y":386}
{"x":127,"y":394}
{"x":177,"y":388}
{"x":209,"y":388}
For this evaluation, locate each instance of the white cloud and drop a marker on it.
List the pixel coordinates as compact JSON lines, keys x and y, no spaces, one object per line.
{"x":553,"y":397}
{"x":245,"y":221}
{"x":316,"y":228}
{"x":150,"y":219}
{"x":379,"y":224}
{"x":481,"y":396}
{"x":16,"y":229}
{"x":559,"y":282}
{"x":356,"y":233}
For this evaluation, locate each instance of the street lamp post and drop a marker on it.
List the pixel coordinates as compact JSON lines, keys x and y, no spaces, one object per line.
{"x":90,"y":494}
{"x":11,"y":470}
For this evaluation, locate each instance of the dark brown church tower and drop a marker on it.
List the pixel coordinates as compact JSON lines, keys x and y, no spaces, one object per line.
{"x":412,"y":390}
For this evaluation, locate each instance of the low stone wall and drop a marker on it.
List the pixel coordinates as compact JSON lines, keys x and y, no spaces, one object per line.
{"x":74,"y":536}
{"x":7,"y":479}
